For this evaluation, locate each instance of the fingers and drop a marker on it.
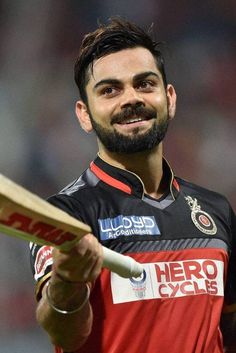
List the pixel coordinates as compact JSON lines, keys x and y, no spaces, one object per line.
{"x":83,"y":263}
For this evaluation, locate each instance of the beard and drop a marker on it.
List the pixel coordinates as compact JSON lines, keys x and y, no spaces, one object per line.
{"x":117,"y":142}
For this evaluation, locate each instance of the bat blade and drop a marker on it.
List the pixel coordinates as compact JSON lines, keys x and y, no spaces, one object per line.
{"x":27,"y":216}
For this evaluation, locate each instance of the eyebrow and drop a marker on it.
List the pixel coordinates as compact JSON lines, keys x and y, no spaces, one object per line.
{"x":113,"y":81}
{"x":145,"y":74}
{"x":106,"y":81}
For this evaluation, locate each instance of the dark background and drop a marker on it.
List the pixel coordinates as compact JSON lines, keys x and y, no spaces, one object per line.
{"x":41,"y":144}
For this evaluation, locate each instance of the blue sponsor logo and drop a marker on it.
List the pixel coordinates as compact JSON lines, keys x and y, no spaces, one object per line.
{"x":112,"y":228}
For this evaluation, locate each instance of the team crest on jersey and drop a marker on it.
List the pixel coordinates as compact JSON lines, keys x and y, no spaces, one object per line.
{"x":201,"y":219}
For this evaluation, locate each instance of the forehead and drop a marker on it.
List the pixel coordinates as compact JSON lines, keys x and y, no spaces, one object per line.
{"x":123,"y":65}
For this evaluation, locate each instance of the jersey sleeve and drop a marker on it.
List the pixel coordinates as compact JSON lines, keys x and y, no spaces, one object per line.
{"x":41,"y":256}
{"x":230,"y":288}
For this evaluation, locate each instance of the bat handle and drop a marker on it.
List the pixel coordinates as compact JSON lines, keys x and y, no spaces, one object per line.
{"x":124,"y":266}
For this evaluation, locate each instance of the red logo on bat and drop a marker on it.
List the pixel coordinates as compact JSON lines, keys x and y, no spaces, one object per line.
{"x":41,"y":230}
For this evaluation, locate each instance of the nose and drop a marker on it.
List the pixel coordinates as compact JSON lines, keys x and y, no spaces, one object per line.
{"x":131,"y":97}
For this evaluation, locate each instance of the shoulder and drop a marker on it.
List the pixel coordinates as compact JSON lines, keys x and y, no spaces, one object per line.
{"x":214,"y":201}
{"x":87,"y":181}
{"x":76,"y":195}
{"x":202,"y":192}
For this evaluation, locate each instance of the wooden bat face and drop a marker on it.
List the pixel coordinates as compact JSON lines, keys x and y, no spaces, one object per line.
{"x":27,"y":216}
{"x":15,"y":223}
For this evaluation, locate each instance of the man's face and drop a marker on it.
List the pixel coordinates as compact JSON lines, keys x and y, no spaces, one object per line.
{"x":128,"y":105}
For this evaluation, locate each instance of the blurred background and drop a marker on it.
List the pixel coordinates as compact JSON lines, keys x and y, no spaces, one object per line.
{"x":41,"y":144}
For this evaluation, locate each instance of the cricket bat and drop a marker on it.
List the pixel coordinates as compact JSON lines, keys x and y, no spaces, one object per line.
{"x":27,"y":216}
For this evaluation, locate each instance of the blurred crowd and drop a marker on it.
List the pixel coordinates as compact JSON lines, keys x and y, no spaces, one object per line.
{"x":41,"y":144}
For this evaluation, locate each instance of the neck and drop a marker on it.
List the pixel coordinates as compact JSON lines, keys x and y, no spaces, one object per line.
{"x":147,"y":165}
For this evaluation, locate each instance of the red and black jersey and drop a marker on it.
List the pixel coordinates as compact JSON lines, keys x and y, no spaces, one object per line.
{"x":186,"y":242}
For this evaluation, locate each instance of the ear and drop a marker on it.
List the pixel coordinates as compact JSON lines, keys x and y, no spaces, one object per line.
{"x":171,"y":100}
{"x":83,"y":116}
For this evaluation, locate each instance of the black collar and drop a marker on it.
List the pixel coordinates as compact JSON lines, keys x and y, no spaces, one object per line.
{"x":130,"y":182}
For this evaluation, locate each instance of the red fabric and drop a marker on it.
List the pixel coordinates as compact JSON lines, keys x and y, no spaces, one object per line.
{"x":186,"y":324}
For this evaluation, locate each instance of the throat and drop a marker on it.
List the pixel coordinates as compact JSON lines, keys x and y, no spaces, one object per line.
{"x":157,"y":194}
{"x":147,"y":166}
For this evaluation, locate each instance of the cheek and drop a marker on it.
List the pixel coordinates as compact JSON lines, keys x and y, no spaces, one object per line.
{"x":103,"y":111}
{"x":159,"y":103}
{"x":94,"y":109}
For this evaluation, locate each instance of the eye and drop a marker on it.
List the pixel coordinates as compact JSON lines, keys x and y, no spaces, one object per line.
{"x":145,"y":85}
{"x":109,"y":91}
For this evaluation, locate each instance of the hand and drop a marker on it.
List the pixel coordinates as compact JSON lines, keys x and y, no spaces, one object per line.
{"x":82,"y":263}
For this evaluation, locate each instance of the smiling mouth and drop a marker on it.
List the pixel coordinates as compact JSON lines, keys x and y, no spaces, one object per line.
{"x":132,"y":120}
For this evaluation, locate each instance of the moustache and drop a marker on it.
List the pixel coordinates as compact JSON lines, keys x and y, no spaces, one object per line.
{"x":133,"y":113}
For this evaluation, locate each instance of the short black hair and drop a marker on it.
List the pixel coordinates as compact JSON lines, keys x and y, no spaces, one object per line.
{"x":117,"y":35}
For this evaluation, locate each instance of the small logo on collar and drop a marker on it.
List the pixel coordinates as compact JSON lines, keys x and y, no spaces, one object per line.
{"x":201,"y":219}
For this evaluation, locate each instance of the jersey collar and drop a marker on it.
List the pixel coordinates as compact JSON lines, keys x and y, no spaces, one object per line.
{"x":130,"y":182}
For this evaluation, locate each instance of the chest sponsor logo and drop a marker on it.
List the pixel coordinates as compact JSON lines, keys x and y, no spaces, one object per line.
{"x":112,"y":228}
{"x":168,"y":280}
{"x":42,"y":261}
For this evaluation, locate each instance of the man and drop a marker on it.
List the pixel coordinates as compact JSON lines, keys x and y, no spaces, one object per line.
{"x":183,"y":234}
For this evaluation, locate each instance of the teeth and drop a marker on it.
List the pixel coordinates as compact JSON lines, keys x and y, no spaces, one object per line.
{"x":133,"y":121}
